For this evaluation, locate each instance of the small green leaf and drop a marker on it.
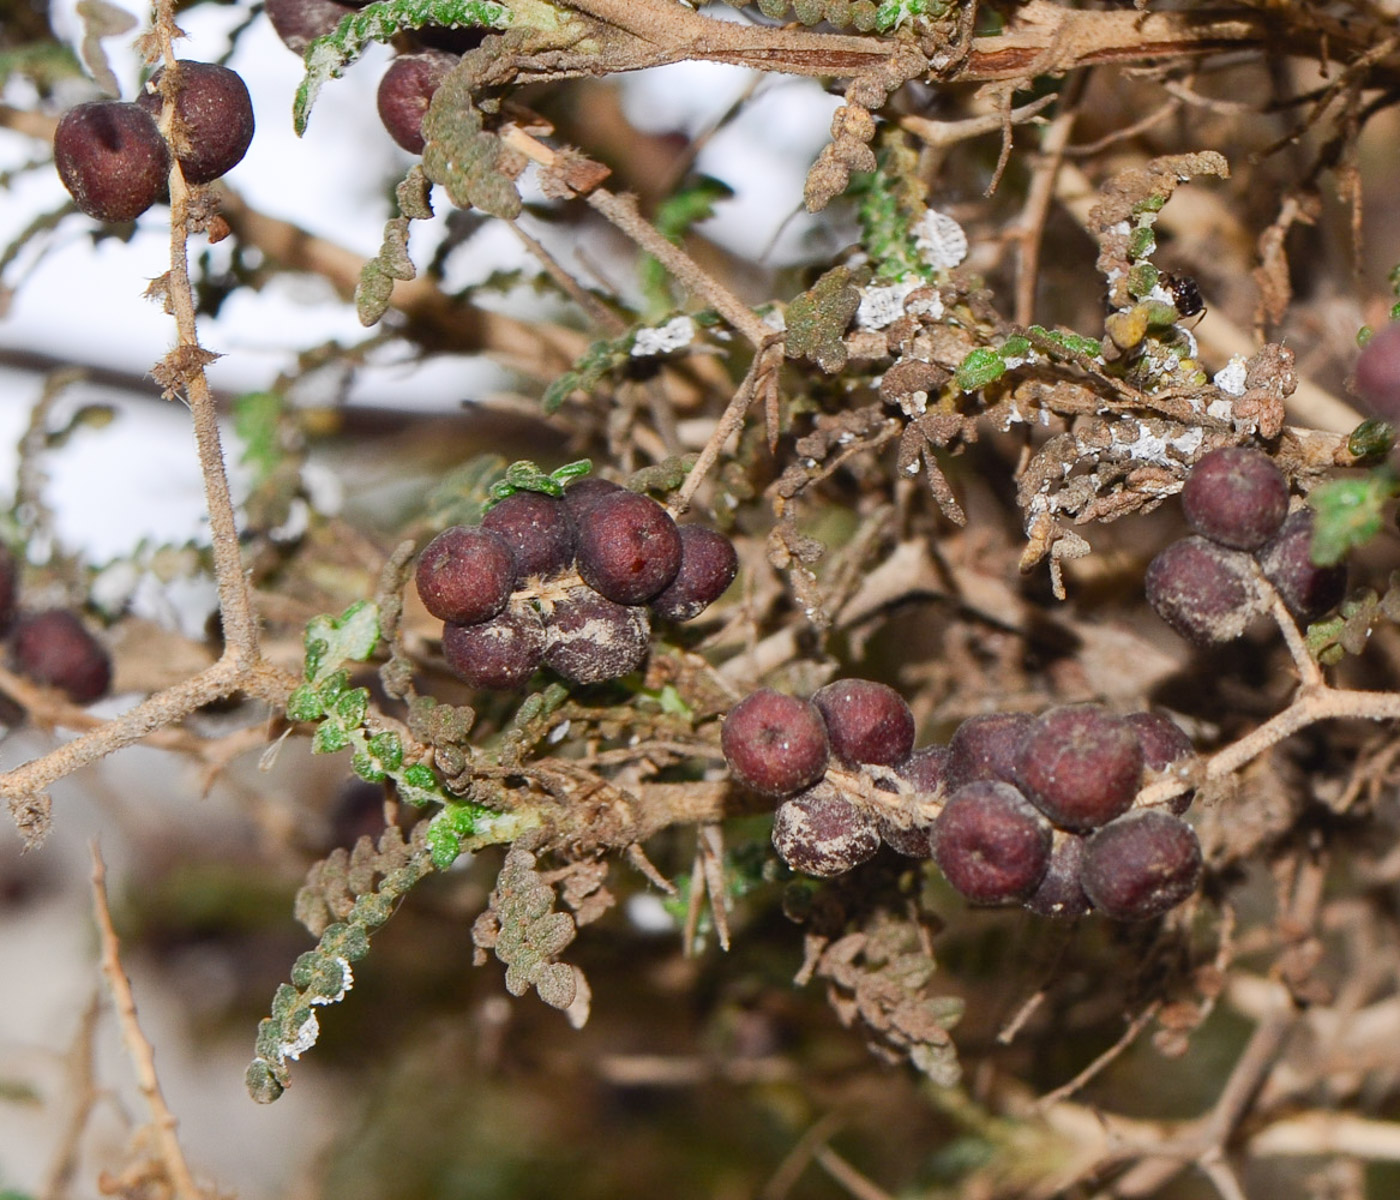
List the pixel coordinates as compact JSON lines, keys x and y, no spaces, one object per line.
{"x":332,"y":641}
{"x":388,"y":749}
{"x":1372,"y":440}
{"x":443,"y":844}
{"x":330,"y":738}
{"x":1141,"y":242}
{"x":1350,"y":512}
{"x":304,"y":704}
{"x":981,"y":367}
{"x":419,"y":786}
{"x":352,"y":707}
{"x":367,"y":768}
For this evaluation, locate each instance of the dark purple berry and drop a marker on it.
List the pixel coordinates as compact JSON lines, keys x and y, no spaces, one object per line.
{"x":592,"y":639}
{"x":213,"y":118}
{"x":1204,"y":591}
{"x":1163,"y":743}
{"x":986,"y":746}
{"x":582,"y":494}
{"x":628,"y":548}
{"x":1377,"y":377}
{"x":991,"y":844}
{"x":501,"y":653}
{"x":866,"y":722}
{"x":1141,"y":865}
{"x":1235,"y":496}
{"x":456,"y":40}
{"x":111,"y":158}
{"x":56,"y":649}
{"x":406,"y":91}
{"x":537,"y":529}
{"x":900,"y":825}
{"x":708,"y":567}
{"x":924,"y":770}
{"x":775,"y":744}
{"x":1080,"y":765}
{"x":1061,"y":892}
{"x":300,"y":22}
{"x":1307,"y":590}
{"x":465,"y":575}
{"x":820,"y":832}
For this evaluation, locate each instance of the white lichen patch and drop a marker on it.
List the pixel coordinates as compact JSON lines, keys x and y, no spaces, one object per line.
{"x":1230,"y":378}
{"x":1156,"y":447}
{"x":675,"y":335}
{"x":306,"y":1038}
{"x":882,"y":305}
{"x":940,"y":239}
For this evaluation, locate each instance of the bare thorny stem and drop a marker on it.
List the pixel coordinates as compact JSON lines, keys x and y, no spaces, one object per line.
{"x":242,"y":666}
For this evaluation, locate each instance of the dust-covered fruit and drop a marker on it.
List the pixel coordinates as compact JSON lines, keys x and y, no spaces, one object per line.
{"x":991,"y":844}
{"x":55,"y":648}
{"x":465,"y":574}
{"x":820,"y":832}
{"x":406,"y":91}
{"x":111,"y":158}
{"x":775,"y":744}
{"x":501,"y":653}
{"x":1163,"y":743}
{"x":1080,"y":765}
{"x":1307,"y":590}
{"x":628,"y":548}
{"x":213,"y":118}
{"x":1141,"y":865}
{"x":986,"y":747}
{"x":537,"y":529}
{"x":708,"y":566}
{"x":1061,"y":892}
{"x":900,"y":824}
{"x":924,"y":770}
{"x":1204,"y":591}
{"x":1377,"y":375}
{"x":1235,"y":496}
{"x":592,"y":639}
{"x":866,"y":722}
{"x":300,"y":22}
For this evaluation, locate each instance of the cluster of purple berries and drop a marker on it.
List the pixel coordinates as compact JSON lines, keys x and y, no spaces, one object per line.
{"x":113,"y":160}
{"x":1038,"y":811}
{"x":570,"y":583}
{"x":1206,"y":586}
{"x":52,"y":646}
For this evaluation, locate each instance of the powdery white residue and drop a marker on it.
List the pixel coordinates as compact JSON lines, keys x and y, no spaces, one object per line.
{"x":883,"y":304}
{"x":1230,"y":378}
{"x":940,"y":239}
{"x":306,"y":1038}
{"x":676,"y":334}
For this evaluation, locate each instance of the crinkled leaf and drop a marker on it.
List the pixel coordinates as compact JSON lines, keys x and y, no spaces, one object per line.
{"x":1350,"y":512}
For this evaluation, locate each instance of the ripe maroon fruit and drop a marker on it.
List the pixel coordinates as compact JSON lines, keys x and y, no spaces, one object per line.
{"x":1235,"y":496}
{"x":213,"y":118}
{"x":465,"y":575}
{"x":1080,"y":765}
{"x":406,"y":91}
{"x":866,"y":721}
{"x":820,"y":832}
{"x":1204,"y":591}
{"x":1141,"y":865}
{"x":991,"y":844}
{"x":55,"y":648}
{"x":111,"y":158}
{"x":775,"y":744}
{"x":628,"y":548}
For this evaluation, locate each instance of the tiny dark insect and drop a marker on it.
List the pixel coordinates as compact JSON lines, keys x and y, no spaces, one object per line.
{"x":1184,"y":293}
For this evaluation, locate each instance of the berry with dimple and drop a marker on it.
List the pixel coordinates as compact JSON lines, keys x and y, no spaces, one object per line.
{"x":465,"y":575}
{"x":1377,"y":375}
{"x":1080,"y":765}
{"x":537,"y":529}
{"x":1141,"y":865}
{"x":1163,"y":743}
{"x":986,"y":747}
{"x":56,"y":649}
{"x":405,"y":92}
{"x":991,"y":844}
{"x":213,"y":118}
{"x":591,"y":639}
{"x":628,"y":548}
{"x":1235,"y":496}
{"x":501,"y":653}
{"x":708,"y":566}
{"x":1307,"y":590}
{"x":820,"y":832}
{"x":866,"y":722}
{"x":1061,"y":892}
{"x":111,"y":158}
{"x":775,"y":744}
{"x":300,"y":22}
{"x":1204,"y":591}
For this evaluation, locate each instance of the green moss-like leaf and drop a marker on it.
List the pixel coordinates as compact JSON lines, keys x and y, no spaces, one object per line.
{"x":1350,"y":512}
{"x":329,"y":738}
{"x":981,"y":367}
{"x":333,"y":641}
{"x":304,"y":704}
{"x":818,"y":318}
